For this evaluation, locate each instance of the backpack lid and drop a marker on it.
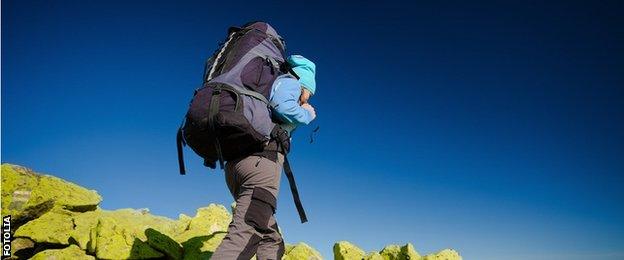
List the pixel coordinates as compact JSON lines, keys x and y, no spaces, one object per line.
{"x":265,"y":28}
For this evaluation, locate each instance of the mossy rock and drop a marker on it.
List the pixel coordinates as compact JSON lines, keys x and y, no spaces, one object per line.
{"x":202,"y":246}
{"x":207,"y":221}
{"x":22,"y":247}
{"x":54,"y":227}
{"x":373,"y":256}
{"x":446,"y":254}
{"x":132,"y":233}
{"x":344,"y":250}
{"x":70,"y":252}
{"x":302,"y":251}
{"x":395,"y":252}
{"x":163,"y":243}
{"x":115,"y":242}
{"x":27,"y":195}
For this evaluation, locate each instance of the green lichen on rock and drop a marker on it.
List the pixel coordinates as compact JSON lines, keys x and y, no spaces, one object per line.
{"x":133,"y":234}
{"x":70,"y":252}
{"x":373,"y":256}
{"x":344,"y":250}
{"x":202,"y":247}
{"x":22,"y":246}
{"x":54,"y":227}
{"x":163,"y":243}
{"x":61,"y":220}
{"x":302,"y":251}
{"x":395,"y":252}
{"x":207,"y":221}
{"x":115,"y":242}
{"x":201,"y":234}
{"x":446,"y":254}
{"x":27,"y":195}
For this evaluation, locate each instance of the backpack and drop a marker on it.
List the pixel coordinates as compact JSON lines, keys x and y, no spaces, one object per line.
{"x":229,"y":115}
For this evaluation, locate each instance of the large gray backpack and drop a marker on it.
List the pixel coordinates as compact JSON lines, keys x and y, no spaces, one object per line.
{"x":229,"y":116}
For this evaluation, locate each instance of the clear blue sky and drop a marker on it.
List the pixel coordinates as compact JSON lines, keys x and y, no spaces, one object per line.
{"x":495,"y":129}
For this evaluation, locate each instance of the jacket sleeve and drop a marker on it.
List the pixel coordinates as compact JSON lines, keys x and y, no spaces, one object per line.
{"x":285,"y":102}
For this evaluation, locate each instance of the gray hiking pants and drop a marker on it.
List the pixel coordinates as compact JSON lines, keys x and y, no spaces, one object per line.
{"x":254,"y":183}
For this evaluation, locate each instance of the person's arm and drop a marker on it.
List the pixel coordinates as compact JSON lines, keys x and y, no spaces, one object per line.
{"x":285,"y":102}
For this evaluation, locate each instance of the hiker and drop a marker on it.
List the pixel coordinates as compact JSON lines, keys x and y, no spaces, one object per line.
{"x":251,"y":100}
{"x":254,"y":180}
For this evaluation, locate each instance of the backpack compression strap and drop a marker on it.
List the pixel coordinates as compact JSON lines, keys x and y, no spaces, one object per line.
{"x":294,"y":191}
{"x":179,"y":144}
{"x":280,"y":136}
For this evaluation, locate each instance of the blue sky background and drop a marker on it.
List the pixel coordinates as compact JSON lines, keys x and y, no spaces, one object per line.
{"x":495,"y":129}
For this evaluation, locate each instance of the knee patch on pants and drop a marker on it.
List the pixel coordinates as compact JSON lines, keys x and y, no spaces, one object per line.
{"x":260,"y":209}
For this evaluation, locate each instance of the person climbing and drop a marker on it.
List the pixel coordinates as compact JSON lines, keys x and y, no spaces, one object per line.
{"x":254,"y":180}
{"x":251,"y":100}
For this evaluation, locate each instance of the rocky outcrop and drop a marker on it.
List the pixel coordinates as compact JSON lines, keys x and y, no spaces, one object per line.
{"x":301,"y":251}
{"x":27,"y":195}
{"x":347,"y":251}
{"x":56,"y":219}
{"x":344,"y":250}
{"x":71,"y":252}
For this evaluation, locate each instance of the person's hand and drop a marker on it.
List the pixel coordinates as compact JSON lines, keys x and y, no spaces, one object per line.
{"x":310,"y":109}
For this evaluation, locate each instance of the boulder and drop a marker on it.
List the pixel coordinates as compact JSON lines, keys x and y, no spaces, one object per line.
{"x":22,"y":247}
{"x":344,"y":250}
{"x":113,"y":241}
{"x":446,"y":254}
{"x":136,"y":234}
{"x":163,"y":243}
{"x":27,"y":195}
{"x":395,"y":252}
{"x":55,"y":219}
{"x":301,"y":251}
{"x":54,"y":227}
{"x":70,"y":252}
{"x":207,"y":221}
{"x":132,"y":233}
{"x":373,"y":256}
{"x":202,"y":246}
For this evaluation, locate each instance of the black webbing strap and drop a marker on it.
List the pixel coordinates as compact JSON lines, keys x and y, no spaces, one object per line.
{"x":179,"y":144}
{"x":213,"y":109}
{"x":285,"y":67}
{"x":281,"y":137}
{"x":294,"y":191}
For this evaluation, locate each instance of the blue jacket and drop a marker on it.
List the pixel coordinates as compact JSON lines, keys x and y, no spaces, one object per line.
{"x":284,"y":101}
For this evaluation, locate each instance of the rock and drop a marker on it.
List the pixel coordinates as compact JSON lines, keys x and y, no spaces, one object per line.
{"x":446,"y":254}
{"x":202,"y":246}
{"x":60,"y":220}
{"x":83,"y":225}
{"x":54,"y":227}
{"x":207,"y":220}
{"x":70,"y":252}
{"x":344,"y":250}
{"x":302,"y":251}
{"x":112,"y":241}
{"x":391,"y":252}
{"x":183,"y":223}
{"x":22,"y":247}
{"x":408,"y":252}
{"x":373,"y":256}
{"x":129,"y":233}
{"x":216,"y":217}
{"x":28,"y":195}
{"x":163,"y":243}
{"x":132,"y":233}
{"x":394,"y":252}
